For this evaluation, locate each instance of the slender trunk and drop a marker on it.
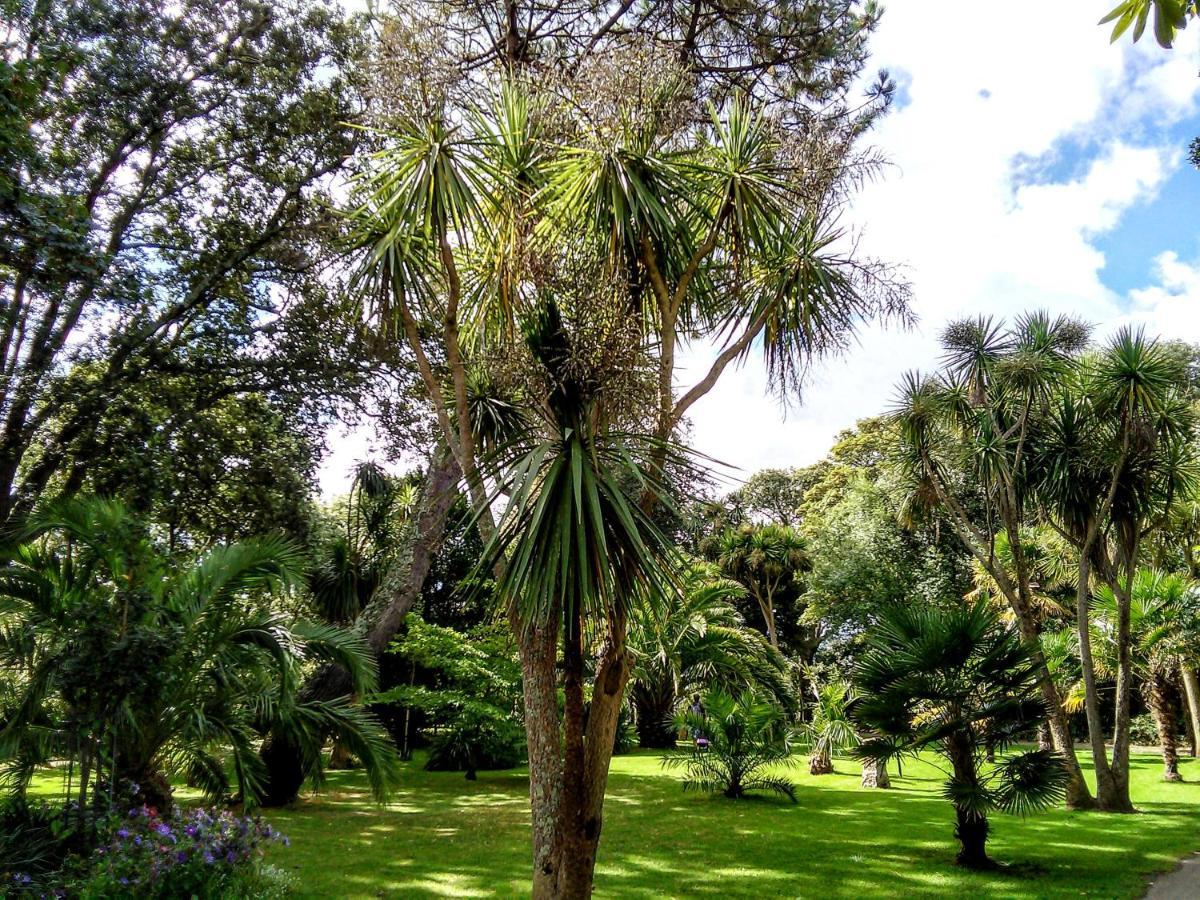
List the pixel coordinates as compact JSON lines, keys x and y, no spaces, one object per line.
{"x":400,"y":590}
{"x":1121,"y":800}
{"x":613,"y":668}
{"x":875,"y":774}
{"x":1191,"y":692}
{"x":1162,"y":707}
{"x":971,"y":828}
{"x":574,"y":774}
{"x":1105,"y":787}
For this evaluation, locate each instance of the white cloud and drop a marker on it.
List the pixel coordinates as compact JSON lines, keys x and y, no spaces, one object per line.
{"x":977,"y":232}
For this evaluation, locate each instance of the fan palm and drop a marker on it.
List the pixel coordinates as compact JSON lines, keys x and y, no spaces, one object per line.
{"x":961,"y":682}
{"x":740,"y":740}
{"x":1164,"y":621}
{"x":137,"y":668}
{"x":690,"y":641}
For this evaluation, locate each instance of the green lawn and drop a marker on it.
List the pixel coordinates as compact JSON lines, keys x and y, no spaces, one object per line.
{"x":444,"y":836}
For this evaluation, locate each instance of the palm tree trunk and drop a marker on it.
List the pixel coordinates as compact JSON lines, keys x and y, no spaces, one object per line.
{"x":971,"y":827}
{"x":543,"y":728}
{"x":568,"y":765}
{"x":1162,"y":707}
{"x":820,"y":763}
{"x":875,"y":774}
{"x":1078,"y":796}
{"x":1191,"y":692}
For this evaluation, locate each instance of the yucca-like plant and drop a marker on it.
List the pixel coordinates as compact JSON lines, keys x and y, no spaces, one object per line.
{"x":962,"y":683}
{"x":137,"y":668}
{"x":740,"y":743}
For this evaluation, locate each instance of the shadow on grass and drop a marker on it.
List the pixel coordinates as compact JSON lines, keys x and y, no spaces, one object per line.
{"x":444,"y":836}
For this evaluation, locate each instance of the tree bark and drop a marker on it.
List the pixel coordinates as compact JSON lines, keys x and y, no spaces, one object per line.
{"x":1106,"y":789}
{"x":379,"y":622}
{"x":538,"y":650}
{"x":1160,"y":698}
{"x":1121,"y":800}
{"x":1191,"y":692}
{"x":875,"y":774}
{"x":820,"y":764}
{"x":971,"y":828}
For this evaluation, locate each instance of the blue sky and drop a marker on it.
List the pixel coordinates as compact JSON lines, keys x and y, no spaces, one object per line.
{"x":1033,"y":166}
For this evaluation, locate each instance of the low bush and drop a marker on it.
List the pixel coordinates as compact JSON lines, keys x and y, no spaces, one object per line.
{"x":198,"y":853}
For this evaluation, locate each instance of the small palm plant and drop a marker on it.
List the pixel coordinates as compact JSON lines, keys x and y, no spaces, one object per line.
{"x":739,"y":740}
{"x":830,"y":728}
{"x":960,"y":682}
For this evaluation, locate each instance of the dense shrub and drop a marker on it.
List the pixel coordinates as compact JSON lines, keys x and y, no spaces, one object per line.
{"x":200,"y":853}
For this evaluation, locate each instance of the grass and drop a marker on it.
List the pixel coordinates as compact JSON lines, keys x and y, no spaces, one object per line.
{"x":448,"y":837}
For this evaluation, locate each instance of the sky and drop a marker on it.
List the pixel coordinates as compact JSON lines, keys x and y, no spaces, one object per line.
{"x":1032,"y":165}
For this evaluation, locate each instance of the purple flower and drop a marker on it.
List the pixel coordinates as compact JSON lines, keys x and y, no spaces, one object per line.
{"x":163,"y":828}
{"x":190,"y":830}
{"x":137,"y":840}
{"x":181,"y":856}
{"x":230,"y":857}
{"x":122,"y":833}
{"x":208,"y":858}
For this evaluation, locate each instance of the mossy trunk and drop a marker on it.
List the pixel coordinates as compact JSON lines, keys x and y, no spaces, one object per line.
{"x":401,"y":587}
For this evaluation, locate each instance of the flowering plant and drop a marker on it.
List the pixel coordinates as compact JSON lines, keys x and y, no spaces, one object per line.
{"x":197,"y":852}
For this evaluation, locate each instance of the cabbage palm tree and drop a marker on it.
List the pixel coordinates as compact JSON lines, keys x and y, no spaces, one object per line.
{"x":480,"y":205}
{"x":137,"y":668}
{"x":1114,"y":455}
{"x":690,"y":641}
{"x":960,"y":682}
{"x":967,"y":439}
{"x":765,"y":559}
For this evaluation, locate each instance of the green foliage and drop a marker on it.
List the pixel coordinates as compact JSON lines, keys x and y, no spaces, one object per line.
{"x":964,"y":684}
{"x":134,"y":667}
{"x":1170,"y":17}
{"x":468,"y":687}
{"x":689,"y":642}
{"x":747,"y":740}
{"x":768,"y":561}
{"x":829,"y":728}
{"x":165,"y":249}
{"x":574,"y":542}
